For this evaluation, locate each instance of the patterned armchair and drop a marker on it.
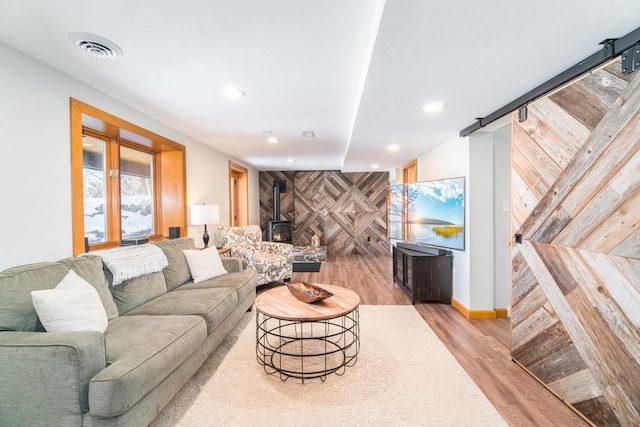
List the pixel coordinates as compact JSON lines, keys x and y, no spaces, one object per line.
{"x":271,"y":260}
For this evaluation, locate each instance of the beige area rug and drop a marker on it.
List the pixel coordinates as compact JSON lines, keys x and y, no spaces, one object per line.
{"x":404,"y":376}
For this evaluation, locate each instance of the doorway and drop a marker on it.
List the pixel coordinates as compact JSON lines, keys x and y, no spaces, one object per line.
{"x":238,"y":195}
{"x":409,"y":176}
{"x":410,"y":172}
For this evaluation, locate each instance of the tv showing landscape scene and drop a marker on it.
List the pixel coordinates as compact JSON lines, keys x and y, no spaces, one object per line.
{"x":395,"y":211}
{"x":429,"y":212}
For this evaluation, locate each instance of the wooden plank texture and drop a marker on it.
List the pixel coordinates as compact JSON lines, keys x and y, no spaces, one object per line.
{"x":348,"y":211}
{"x":576,"y":276}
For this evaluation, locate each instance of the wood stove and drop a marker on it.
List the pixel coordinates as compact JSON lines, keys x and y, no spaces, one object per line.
{"x":277,"y":230}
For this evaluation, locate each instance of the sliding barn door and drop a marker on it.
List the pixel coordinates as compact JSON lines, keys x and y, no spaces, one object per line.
{"x":576,"y":274}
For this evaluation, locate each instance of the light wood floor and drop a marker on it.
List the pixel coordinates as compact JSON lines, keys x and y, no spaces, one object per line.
{"x":482,"y":347}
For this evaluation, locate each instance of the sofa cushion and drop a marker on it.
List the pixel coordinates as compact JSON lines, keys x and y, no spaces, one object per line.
{"x":141,"y":352}
{"x":134,"y":292}
{"x":90,"y":269}
{"x":177,"y":272}
{"x":74,"y":305}
{"x":243,"y":282}
{"x":214,"y":305}
{"x":16,"y":307}
{"x":204,"y":264}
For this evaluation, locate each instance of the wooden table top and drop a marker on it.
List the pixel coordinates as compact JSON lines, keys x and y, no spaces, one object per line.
{"x":279,"y":303}
{"x":223,"y":250}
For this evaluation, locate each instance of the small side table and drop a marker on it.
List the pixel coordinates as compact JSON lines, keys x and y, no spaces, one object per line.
{"x":306,"y":341}
{"x":223,"y":250}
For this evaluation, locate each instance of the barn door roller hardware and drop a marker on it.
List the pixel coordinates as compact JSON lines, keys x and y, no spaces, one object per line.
{"x":610,"y":49}
{"x":523,"y":113}
{"x":631,"y":59}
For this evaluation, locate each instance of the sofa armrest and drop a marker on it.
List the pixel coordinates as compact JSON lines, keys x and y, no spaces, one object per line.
{"x":246,"y":255}
{"x":232,"y":265}
{"x":284,"y":249}
{"x":44,"y":377}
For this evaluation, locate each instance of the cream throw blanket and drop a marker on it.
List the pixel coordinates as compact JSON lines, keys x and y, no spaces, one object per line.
{"x":127,"y":262}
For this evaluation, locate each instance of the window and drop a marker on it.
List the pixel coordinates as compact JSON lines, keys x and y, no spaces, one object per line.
{"x":136,"y":193}
{"x":127,"y":182}
{"x":94,"y":189}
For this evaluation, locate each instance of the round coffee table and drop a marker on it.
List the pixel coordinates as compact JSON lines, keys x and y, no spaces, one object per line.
{"x":303,"y":340}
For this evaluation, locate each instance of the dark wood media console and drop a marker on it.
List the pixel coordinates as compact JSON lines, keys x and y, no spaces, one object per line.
{"x":423,"y":275}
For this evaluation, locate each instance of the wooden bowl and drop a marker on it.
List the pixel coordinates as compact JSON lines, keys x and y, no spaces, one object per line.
{"x":306,"y":292}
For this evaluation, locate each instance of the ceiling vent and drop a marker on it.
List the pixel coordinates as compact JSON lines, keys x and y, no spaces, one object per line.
{"x":96,"y":46}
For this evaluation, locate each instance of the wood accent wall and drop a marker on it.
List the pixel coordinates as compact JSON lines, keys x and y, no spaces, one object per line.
{"x":266,"y":196}
{"x":344,"y":209}
{"x":576,"y":276}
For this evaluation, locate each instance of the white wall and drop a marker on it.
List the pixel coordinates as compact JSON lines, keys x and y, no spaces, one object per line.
{"x":481,"y":273}
{"x":451,"y":160}
{"x":481,"y":234}
{"x":502,"y":216}
{"x":35,"y":167}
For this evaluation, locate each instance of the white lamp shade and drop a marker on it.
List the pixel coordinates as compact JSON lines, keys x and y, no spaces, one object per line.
{"x":204,"y":214}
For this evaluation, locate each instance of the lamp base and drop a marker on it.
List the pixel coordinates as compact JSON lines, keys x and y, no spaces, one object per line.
{"x":205,"y":237}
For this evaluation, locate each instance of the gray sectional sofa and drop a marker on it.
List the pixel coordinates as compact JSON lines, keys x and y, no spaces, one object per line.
{"x":162,"y":327}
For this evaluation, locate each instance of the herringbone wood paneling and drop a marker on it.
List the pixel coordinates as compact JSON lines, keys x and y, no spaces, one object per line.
{"x":266,"y":179}
{"x":309,"y":206}
{"x":576,"y":276}
{"x":347,"y":210}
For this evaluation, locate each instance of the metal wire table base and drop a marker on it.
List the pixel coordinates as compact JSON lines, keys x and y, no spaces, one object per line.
{"x":307,"y":349}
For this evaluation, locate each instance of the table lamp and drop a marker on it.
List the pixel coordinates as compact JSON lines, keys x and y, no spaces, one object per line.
{"x":203,"y":215}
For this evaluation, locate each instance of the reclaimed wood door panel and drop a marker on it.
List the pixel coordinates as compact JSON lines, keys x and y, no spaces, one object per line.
{"x":523,"y":200}
{"x":576,"y":276}
{"x":542,"y":166}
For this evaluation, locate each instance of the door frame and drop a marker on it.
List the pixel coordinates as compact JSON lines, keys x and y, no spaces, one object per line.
{"x":238,"y":194}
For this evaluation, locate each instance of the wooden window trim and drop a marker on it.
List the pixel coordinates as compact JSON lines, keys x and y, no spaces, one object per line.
{"x":169,"y":169}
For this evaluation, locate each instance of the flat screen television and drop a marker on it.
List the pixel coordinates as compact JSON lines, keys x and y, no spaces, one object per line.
{"x":428,"y":212}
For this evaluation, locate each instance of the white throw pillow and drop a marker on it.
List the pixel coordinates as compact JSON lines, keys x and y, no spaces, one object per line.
{"x":73,"y":305}
{"x":204,"y":264}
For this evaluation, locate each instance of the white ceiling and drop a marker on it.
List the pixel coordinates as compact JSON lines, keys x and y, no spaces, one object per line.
{"x":356,"y":72}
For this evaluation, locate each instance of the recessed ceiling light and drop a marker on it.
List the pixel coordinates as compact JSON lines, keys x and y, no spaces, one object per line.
{"x":393,"y":147}
{"x":308,"y":134}
{"x":273,"y":140}
{"x":433,"y":107}
{"x":290,"y":160}
{"x":232,"y":93}
{"x":375,"y":166}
